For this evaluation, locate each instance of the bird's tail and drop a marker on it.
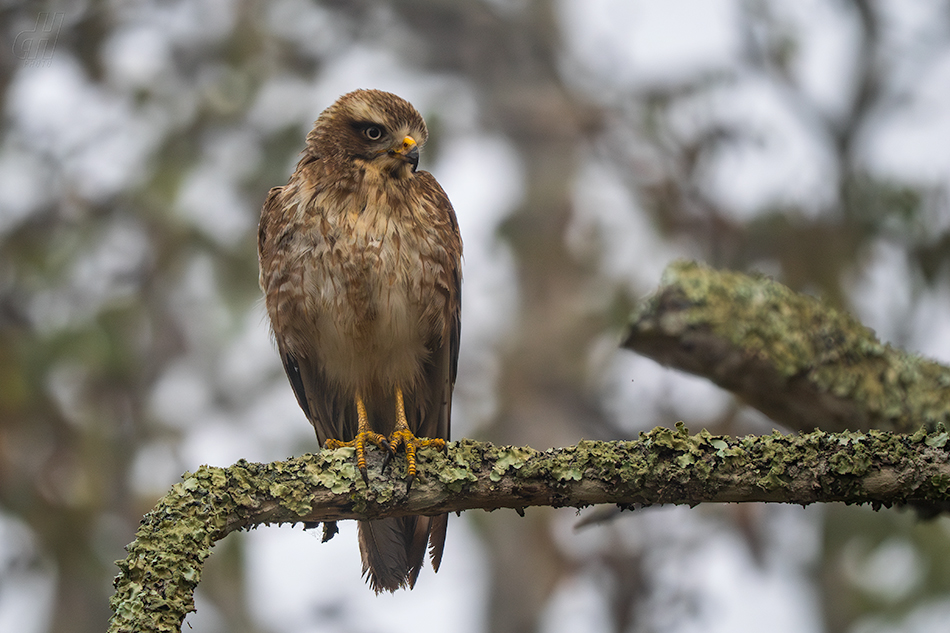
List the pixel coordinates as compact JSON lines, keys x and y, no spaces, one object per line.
{"x":394,"y":549}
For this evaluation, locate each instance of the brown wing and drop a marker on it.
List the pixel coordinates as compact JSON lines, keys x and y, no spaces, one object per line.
{"x":439,"y":382}
{"x":324,"y":407}
{"x":444,"y":345}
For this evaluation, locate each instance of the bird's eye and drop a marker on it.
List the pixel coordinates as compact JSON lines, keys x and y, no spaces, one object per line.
{"x":373,"y":132}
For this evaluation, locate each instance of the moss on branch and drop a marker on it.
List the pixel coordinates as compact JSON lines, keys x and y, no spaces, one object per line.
{"x":156,"y":582}
{"x":800,"y":362}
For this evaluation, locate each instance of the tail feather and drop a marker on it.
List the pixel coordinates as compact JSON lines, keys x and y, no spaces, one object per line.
{"x":419,"y":536}
{"x":393,"y":550}
{"x":437,"y":529}
{"x":384,"y":548}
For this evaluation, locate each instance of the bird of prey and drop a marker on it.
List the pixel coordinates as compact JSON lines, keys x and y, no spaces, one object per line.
{"x":360,"y":265}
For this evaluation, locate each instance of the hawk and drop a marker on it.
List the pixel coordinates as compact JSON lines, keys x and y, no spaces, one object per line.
{"x":360,"y":266}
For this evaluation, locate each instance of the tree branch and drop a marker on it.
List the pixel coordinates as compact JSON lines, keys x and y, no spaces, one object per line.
{"x":798,"y":361}
{"x":803,"y":364}
{"x":154,"y":589}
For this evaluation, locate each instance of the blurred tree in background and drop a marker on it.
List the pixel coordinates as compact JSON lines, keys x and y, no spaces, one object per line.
{"x":585,"y":144}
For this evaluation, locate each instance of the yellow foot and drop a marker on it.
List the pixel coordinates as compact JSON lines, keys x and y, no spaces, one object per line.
{"x":360,"y":442}
{"x":363,"y":436}
{"x":404,"y":437}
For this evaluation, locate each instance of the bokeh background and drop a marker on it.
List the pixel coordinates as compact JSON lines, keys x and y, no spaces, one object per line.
{"x":585,"y":144}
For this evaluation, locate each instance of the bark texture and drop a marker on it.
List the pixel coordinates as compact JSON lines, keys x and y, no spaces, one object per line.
{"x":803,"y":364}
{"x":155,"y":586}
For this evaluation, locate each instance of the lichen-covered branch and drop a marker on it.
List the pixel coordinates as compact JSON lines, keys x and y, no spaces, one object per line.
{"x":800,"y":362}
{"x":803,"y":364}
{"x":155,"y":585}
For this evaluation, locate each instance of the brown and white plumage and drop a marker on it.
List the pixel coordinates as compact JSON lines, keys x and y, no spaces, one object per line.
{"x":360,"y":259}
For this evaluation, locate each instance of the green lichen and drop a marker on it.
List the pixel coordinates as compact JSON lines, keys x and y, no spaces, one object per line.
{"x":513,"y":458}
{"x":156,"y":581}
{"x":941,"y":483}
{"x":801,"y":340}
{"x":939,"y":440}
{"x":337,"y":470}
{"x":510,"y":460}
{"x":677,"y":439}
{"x":568,"y":466}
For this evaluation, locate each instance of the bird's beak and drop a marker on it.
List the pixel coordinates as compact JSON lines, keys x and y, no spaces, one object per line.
{"x":408,"y":150}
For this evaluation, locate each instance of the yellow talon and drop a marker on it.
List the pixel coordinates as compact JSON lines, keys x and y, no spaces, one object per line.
{"x":363,"y":435}
{"x":401,"y":435}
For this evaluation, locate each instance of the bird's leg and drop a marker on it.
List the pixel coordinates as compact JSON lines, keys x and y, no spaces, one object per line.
{"x":402,"y":435}
{"x":364,"y":434}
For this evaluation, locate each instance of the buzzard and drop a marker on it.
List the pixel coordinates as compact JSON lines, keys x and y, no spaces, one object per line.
{"x":360,"y":266}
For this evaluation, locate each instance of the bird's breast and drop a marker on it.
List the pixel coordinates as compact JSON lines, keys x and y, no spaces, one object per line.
{"x":367,"y":294}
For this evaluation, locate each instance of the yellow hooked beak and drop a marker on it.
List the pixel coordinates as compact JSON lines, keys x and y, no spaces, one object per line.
{"x":408,"y":150}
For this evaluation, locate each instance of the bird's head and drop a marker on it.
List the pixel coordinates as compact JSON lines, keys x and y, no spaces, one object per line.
{"x":373,"y":129}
